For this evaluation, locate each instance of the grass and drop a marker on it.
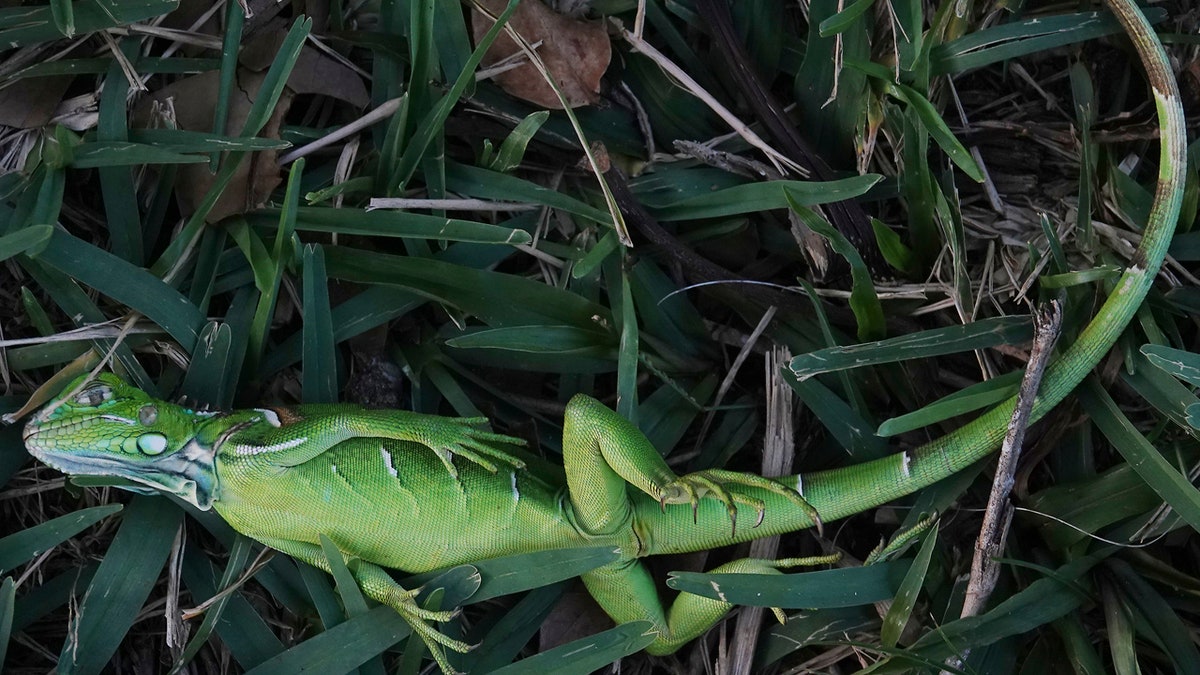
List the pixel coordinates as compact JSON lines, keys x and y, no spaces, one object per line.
{"x":1005,"y":157}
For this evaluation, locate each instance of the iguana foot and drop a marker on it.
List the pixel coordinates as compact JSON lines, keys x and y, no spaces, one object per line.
{"x":381,"y":587}
{"x":450,"y":436}
{"x":691,"y":488}
{"x":418,"y":619}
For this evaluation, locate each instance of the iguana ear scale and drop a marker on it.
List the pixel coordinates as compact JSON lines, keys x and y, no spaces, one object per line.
{"x":148,"y":415}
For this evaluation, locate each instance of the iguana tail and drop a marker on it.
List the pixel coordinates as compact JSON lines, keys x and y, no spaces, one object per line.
{"x":846,"y":491}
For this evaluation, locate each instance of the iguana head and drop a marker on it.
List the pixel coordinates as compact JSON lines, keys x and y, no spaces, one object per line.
{"x":106,"y":427}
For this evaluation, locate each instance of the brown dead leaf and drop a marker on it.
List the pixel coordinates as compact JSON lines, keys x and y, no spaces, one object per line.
{"x":576,"y":54}
{"x":194,"y":105}
{"x":31,"y":102}
{"x":315,"y":73}
{"x":194,"y":101}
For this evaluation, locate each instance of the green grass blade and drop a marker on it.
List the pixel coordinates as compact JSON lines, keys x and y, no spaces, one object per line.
{"x":126,"y":283}
{"x":347,"y":588}
{"x":1079,"y":277}
{"x":20,"y":26}
{"x":844,"y":18}
{"x":1165,"y":624}
{"x":1029,"y":36}
{"x":37,"y":602}
{"x":231,"y":41}
{"x":64,"y":19}
{"x":1122,"y":638}
{"x":385,"y":223}
{"x":324,"y":598}
{"x":512,"y":150}
{"x":123,"y":154}
{"x":863,"y":300}
{"x":268,"y":268}
{"x":587,"y":654}
{"x":208,"y":376}
{"x":926,"y":114}
{"x":213,"y":616}
{"x":1176,"y":362}
{"x":976,"y":335}
{"x":845,"y":424}
{"x":126,"y":576}
{"x":260,"y":111}
{"x":627,"y":345}
{"x":320,"y":359}
{"x":50,"y":190}
{"x":496,"y":299}
{"x":76,"y":304}
{"x":432,"y":124}
{"x":754,"y":197}
{"x":906,"y":595}
{"x":975,"y":397}
{"x":249,"y":638}
{"x":666,"y":415}
{"x":116,"y":181}
{"x":814,"y":629}
{"x":341,"y":648}
{"x":537,"y":339}
{"x":1172,"y":486}
{"x":817,"y":590}
{"x":25,"y":240}
{"x":506,"y":638}
{"x":33,"y":309}
{"x":1161,"y":390}
{"x":373,"y":307}
{"x":510,"y":574}
{"x":1034,"y":606}
{"x":486,"y":184}
{"x":1109,"y":498}
{"x":188,"y":143}
{"x":21,"y":547}
{"x":1077,"y":644}
{"x":8,"y":598}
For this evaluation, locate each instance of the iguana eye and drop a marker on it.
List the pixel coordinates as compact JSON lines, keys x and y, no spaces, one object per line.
{"x":94,"y":395}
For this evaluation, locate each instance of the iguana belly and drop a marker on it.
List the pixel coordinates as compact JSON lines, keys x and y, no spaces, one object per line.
{"x":394,"y":504}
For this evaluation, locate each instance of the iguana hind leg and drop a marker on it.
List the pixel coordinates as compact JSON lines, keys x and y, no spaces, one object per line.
{"x":627,"y":593}
{"x":603,"y":454}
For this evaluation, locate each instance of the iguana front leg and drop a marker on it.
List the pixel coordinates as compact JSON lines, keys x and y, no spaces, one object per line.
{"x":378,"y":585}
{"x":293,"y":436}
{"x":603,"y":455}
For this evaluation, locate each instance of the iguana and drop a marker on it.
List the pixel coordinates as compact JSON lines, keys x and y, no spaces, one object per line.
{"x":385,"y":488}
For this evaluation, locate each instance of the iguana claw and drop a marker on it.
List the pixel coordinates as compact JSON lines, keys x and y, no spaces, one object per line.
{"x":418,"y":619}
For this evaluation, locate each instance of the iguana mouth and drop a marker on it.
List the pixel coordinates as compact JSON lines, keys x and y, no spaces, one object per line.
{"x":189,"y":473}
{"x":93,"y":465}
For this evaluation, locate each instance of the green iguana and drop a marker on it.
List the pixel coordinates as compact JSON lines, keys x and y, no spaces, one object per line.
{"x":384,"y":487}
